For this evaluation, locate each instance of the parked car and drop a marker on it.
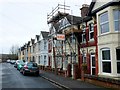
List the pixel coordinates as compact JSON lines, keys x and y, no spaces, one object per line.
{"x":20,"y":64}
{"x":8,"y":61}
{"x":30,"y":68}
{"x":15,"y":65}
{"x":12,"y":61}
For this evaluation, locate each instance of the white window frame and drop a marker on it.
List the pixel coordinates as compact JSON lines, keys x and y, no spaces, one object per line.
{"x":91,"y":30}
{"x":45,"y":58}
{"x":104,"y":49}
{"x":45,"y":44}
{"x":92,"y":64}
{"x":116,"y":58}
{"x":83,"y":34}
{"x":117,"y":20}
{"x":103,"y":23}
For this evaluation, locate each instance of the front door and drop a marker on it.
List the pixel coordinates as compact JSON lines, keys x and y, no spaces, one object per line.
{"x":93,"y":65}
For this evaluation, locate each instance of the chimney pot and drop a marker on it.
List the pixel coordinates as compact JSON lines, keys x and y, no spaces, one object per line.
{"x":84,"y":10}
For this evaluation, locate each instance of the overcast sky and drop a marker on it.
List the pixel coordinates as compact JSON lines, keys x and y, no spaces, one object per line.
{"x":21,"y":20}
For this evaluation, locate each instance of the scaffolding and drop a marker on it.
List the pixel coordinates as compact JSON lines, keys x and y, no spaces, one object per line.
{"x":58,"y":51}
{"x":58,"y":12}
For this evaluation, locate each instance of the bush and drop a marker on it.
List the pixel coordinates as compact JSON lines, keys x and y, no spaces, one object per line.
{"x":84,"y":66}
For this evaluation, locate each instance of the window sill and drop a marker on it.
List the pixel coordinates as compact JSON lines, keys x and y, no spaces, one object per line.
{"x":83,"y":42}
{"x":117,"y":31}
{"x":104,"y":34}
{"x":91,"y":40}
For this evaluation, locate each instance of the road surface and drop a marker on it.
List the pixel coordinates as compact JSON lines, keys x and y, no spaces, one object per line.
{"x":12,"y":78}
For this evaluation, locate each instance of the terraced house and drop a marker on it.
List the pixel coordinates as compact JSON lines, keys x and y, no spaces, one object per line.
{"x":66,"y":50}
{"x":37,"y":48}
{"x":97,"y":38}
{"x":80,"y":42}
{"x":90,"y":41}
{"x":43,"y":47}
{"x":108,"y":25}
{"x":63,"y":51}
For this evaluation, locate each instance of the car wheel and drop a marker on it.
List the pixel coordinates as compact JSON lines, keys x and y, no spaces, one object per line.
{"x":21,"y":70}
{"x":24,"y":73}
{"x":17,"y":67}
{"x":37,"y":73}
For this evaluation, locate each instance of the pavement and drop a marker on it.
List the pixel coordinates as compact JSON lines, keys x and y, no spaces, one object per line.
{"x":68,"y":83}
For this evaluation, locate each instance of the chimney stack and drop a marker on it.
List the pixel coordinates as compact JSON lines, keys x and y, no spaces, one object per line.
{"x":84,"y":10}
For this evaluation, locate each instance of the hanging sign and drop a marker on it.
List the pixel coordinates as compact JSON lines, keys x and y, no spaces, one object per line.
{"x":60,"y":37}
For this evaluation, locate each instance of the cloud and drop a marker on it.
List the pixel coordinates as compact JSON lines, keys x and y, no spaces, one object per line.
{"x":26,"y":1}
{"x":21,"y":20}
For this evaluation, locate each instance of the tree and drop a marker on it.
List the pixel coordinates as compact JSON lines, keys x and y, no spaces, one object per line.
{"x":14,"y":52}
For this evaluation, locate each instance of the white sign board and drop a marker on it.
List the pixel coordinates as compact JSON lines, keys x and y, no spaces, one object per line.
{"x":60,"y":37}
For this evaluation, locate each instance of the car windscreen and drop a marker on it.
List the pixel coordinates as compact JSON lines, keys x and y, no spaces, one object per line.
{"x":21,"y":62}
{"x":32,"y":64}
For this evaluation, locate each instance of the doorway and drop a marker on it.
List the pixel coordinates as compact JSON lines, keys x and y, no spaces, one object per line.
{"x":93,"y":68}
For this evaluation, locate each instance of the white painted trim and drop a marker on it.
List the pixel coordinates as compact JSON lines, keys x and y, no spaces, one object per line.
{"x":91,"y":31}
{"x":103,"y":49}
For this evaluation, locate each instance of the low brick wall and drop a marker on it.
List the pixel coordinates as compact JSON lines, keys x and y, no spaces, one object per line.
{"x":49,"y":69}
{"x":104,"y":82}
{"x":61,"y":72}
{"x":96,"y":80}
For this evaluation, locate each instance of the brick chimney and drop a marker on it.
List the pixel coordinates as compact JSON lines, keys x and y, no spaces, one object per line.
{"x":84,"y":10}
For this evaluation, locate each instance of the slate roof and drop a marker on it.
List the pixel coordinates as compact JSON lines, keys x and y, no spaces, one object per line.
{"x":74,"y":20}
{"x":37,"y":36}
{"x":22,"y":48}
{"x":32,"y":40}
{"x":44,"y":34}
{"x":85,"y":19}
{"x":28,"y":43}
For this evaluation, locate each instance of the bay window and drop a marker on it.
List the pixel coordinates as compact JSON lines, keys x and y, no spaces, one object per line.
{"x":118,"y":59}
{"x":104,"y":23}
{"x":106,"y":60}
{"x":45,"y":59}
{"x":45,"y":45}
{"x":116,"y":14}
